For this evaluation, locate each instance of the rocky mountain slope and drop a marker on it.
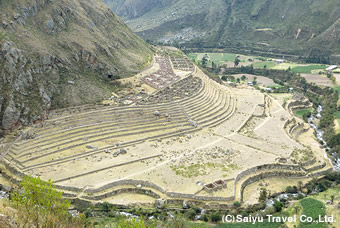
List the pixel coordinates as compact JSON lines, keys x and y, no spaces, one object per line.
{"x":270,"y":25}
{"x":60,"y":53}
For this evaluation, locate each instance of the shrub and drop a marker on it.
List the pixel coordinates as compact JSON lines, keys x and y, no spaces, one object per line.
{"x":191,"y":214}
{"x":292,"y":189}
{"x":216,"y":217}
{"x":40,"y":204}
{"x":278,"y":206}
{"x":237,"y":204}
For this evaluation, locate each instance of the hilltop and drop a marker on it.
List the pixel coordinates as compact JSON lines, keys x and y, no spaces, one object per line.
{"x":57,"y":54}
{"x":292,"y":27}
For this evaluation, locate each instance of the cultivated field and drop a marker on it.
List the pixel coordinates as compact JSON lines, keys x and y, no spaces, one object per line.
{"x":314,"y":73}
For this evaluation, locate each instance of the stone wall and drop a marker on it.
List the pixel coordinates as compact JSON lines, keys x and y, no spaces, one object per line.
{"x":310,"y":162}
{"x":293,"y":104}
{"x":321,"y":173}
{"x":126,"y":182}
{"x":267,"y":175}
{"x":323,"y":165}
{"x":124,"y":190}
{"x":267,"y":167}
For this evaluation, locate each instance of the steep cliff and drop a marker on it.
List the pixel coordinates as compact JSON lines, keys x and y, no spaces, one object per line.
{"x":60,"y":53}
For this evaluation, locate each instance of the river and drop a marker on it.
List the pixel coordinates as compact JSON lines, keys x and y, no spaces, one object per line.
{"x":319,"y":135}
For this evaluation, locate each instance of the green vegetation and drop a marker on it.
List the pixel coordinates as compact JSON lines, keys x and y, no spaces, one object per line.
{"x":50,"y":210}
{"x":39,"y":204}
{"x":308,"y":69}
{"x":301,"y":112}
{"x":264,"y":224}
{"x":337,"y":89}
{"x":313,"y":208}
{"x":265,"y":64}
{"x":337,"y":114}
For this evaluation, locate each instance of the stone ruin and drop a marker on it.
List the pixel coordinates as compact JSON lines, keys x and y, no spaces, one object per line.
{"x":163,"y":77}
{"x":179,"y":90}
{"x":180,"y":63}
{"x":215,"y":186}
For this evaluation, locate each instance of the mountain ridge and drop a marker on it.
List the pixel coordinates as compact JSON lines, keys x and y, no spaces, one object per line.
{"x":295,"y":27}
{"x":57,"y":54}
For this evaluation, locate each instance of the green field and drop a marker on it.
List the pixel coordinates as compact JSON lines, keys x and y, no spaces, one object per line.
{"x":301,"y":112}
{"x":222,"y":58}
{"x":313,"y":208}
{"x":268,"y":64}
{"x":308,"y":69}
{"x":217,"y":58}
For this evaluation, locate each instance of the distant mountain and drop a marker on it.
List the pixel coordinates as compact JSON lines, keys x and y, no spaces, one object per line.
{"x":59,"y":53}
{"x":294,"y":26}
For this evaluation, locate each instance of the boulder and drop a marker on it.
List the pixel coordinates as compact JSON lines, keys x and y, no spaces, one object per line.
{"x":193,"y":124}
{"x":122,"y":151}
{"x":160,"y":203}
{"x":4,"y":24}
{"x":157,"y":113}
{"x":185,"y":205}
{"x":115,"y":154}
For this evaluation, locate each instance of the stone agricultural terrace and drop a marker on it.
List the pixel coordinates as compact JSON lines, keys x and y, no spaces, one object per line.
{"x":192,"y":139}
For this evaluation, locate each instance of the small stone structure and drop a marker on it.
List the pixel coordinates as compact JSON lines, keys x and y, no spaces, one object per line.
{"x":215,"y":186}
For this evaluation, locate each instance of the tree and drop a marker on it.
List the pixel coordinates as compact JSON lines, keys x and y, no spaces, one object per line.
{"x":255,"y":81}
{"x":237,"y":61}
{"x":300,"y":184}
{"x":213,"y":65}
{"x":278,"y":206}
{"x":243,"y":78}
{"x":263,"y":195}
{"x":216,"y":217}
{"x":237,"y":204}
{"x":332,"y":199}
{"x":292,"y":189}
{"x":204,"y":61}
{"x":40,"y":204}
{"x":191,"y":214}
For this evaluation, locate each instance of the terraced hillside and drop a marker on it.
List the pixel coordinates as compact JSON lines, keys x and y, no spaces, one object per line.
{"x":264,"y":25}
{"x":194,"y":139}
